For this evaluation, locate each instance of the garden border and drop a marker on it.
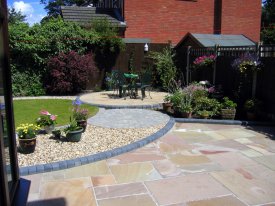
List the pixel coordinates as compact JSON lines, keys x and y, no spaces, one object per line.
{"x":65,"y":164}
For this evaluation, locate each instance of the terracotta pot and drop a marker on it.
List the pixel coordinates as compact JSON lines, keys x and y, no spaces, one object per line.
{"x":167,"y":107}
{"x":27,"y":146}
{"x":82,"y":123}
{"x":228,"y":113}
{"x":186,"y":114}
{"x":74,"y":136}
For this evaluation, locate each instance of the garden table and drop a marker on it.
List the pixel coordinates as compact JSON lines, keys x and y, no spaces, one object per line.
{"x":132,"y":84}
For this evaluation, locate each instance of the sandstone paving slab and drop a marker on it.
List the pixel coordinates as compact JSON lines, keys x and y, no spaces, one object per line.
{"x":191,"y":126}
{"x":188,"y":188}
{"x":103,"y":180}
{"x":120,"y":190}
{"x":214,"y":135}
{"x":251,"y":153}
{"x":268,"y":161}
{"x":201,"y":168}
{"x":260,"y":148}
{"x":74,"y":191}
{"x":246,"y":187}
{"x":136,"y":157}
{"x":235,"y":133}
{"x":212,"y":148}
{"x":35,"y":182}
{"x":219,"y":201}
{"x":183,"y":160}
{"x":166,"y":168}
{"x":231,"y":160}
{"x":135,"y":172}
{"x":134,"y":200}
{"x":194,"y":137}
{"x":229,"y":143}
{"x":261,"y":172}
{"x":94,"y":169}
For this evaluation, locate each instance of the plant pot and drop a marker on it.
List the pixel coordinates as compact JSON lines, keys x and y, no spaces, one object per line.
{"x":185,"y":114}
{"x":49,"y":128}
{"x":228,"y":113}
{"x":82,"y":123}
{"x":251,"y":116}
{"x":74,"y":136}
{"x":27,"y":146}
{"x":167,"y":107}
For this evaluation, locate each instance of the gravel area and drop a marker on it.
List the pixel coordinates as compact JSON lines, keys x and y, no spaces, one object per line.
{"x":95,"y":139}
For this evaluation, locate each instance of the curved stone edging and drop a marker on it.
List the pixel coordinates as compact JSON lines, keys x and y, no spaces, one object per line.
{"x":65,"y":164}
{"x":149,"y":106}
{"x":224,"y":121}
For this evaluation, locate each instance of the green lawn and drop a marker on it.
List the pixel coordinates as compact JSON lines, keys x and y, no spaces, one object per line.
{"x":27,"y":111}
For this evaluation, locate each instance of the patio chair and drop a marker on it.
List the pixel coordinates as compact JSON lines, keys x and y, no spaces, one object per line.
{"x":145,"y":83}
{"x":122,"y":84}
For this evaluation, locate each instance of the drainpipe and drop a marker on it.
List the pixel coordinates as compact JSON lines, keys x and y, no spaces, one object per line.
{"x":217,"y":16}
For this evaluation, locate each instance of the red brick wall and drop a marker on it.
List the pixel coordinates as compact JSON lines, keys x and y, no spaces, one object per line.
{"x":162,"y":20}
{"x":242,"y":17}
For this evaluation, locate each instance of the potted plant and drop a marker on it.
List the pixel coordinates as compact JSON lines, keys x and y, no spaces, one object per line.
{"x":47,"y":121}
{"x":251,"y":106}
{"x":27,"y":137}
{"x":184,"y":108}
{"x":206,"y":107}
{"x":80,"y":115}
{"x":204,"y":61}
{"x":73,"y":132}
{"x":167,"y":104}
{"x":228,"y":109}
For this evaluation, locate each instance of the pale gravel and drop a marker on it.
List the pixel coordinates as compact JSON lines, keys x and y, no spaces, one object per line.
{"x":94,"y":140}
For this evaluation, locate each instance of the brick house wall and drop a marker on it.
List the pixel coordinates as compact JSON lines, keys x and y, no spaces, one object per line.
{"x":162,"y":20}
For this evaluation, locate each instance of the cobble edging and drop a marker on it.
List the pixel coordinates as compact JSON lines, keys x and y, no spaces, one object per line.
{"x":65,"y":164}
{"x":149,"y":106}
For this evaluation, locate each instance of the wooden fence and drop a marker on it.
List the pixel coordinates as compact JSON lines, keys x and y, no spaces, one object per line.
{"x":133,"y":52}
{"x":223,"y":74}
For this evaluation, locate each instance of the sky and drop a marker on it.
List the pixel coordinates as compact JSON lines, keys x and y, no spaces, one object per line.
{"x":33,"y":10}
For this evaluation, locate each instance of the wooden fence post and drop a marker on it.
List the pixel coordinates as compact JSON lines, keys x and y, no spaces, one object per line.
{"x":254,"y":81}
{"x":187,"y":64}
{"x":215,"y":64}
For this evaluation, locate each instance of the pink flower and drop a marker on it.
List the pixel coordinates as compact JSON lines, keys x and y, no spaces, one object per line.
{"x":53,"y":117}
{"x":44,"y":112}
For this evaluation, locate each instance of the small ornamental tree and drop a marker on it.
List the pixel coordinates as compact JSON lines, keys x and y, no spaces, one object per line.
{"x":69,"y":73}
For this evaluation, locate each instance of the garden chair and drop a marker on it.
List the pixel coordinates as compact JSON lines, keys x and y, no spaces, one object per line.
{"x":145,"y":83}
{"x":122,"y":84}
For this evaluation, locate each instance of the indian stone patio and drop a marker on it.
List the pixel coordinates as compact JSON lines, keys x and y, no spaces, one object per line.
{"x":192,"y":165}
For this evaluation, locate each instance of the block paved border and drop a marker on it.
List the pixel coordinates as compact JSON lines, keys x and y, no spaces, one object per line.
{"x":65,"y":164}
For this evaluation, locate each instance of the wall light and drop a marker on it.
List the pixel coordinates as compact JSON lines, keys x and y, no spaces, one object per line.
{"x":146,"y":47}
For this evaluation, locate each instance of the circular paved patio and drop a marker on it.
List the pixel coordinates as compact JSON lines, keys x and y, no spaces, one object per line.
{"x":109,"y":98}
{"x":128,"y":118}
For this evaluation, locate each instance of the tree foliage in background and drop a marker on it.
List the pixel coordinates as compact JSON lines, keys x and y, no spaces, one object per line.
{"x":14,"y":16}
{"x":268,"y":22}
{"x":31,"y":47}
{"x":165,"y":66}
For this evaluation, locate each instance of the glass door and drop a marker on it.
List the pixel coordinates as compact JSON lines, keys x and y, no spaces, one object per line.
{"x":8,"y":158}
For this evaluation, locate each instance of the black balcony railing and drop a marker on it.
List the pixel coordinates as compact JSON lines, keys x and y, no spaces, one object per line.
{"x":109,"y":4}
